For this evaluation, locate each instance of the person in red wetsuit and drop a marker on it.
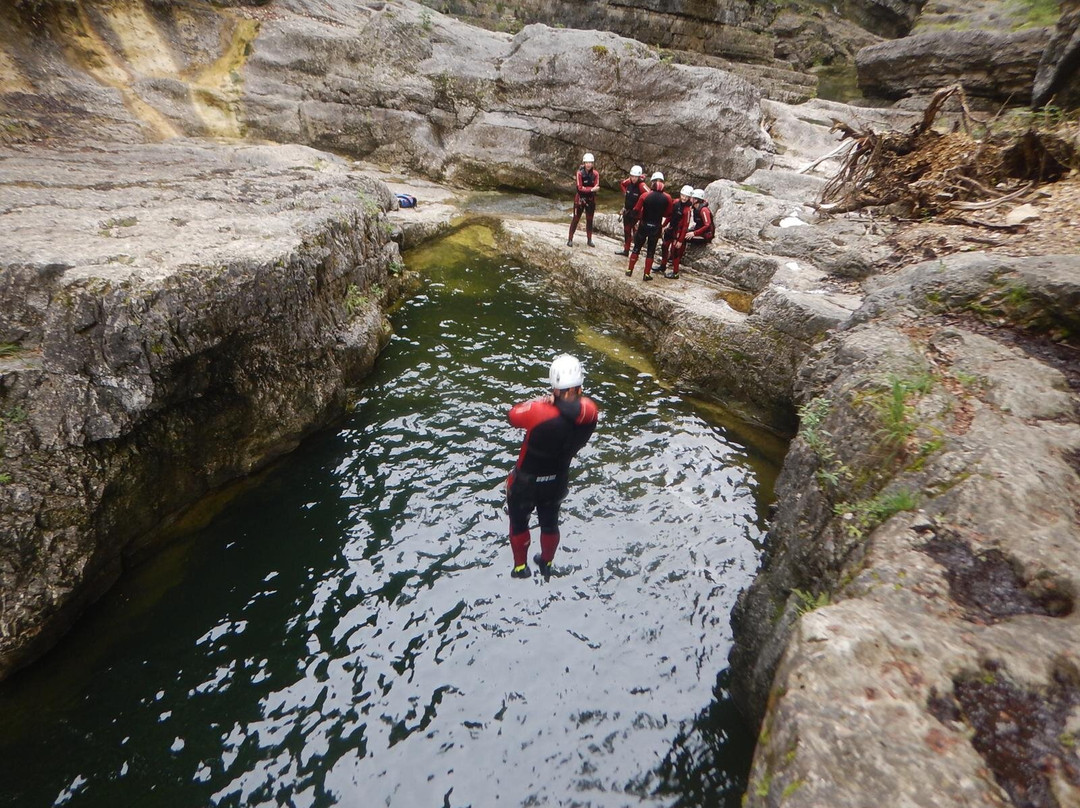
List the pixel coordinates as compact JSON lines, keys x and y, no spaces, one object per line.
{"x":703,"y":229}
{"x":633,"y":187}
{"x":588,"y":183}
{"x":556,"y":427}
{"x":652,"y":209}
{"x":678,"y":223}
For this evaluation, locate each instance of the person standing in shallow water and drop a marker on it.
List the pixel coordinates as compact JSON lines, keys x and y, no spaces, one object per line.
{"x":556,"y":427}
{"x":588,"y":183}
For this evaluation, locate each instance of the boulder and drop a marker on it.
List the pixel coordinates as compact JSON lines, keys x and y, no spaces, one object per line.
{"x":922,"y":561}
{"x":887,"y":18}
{"x":176,"y":315}
{"x":392,"y":82}
{"x":483,"y":109}
{"x":1057,"y":80}
{"x":997,"y":66}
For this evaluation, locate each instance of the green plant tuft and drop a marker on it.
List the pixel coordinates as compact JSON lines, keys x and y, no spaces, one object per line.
{"x":354,"y":299}
{"x":808,"y":602}
{"x":790,"y":789}
{"x":864,"y":515}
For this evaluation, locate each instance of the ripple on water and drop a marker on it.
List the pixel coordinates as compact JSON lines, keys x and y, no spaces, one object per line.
{"x":347,"y":631}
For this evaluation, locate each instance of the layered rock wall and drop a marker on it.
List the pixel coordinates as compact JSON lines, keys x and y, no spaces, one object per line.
{"x":753,"y":32}
{"x":417,"y":89}
{"x":915,"y":611}
{"x":172,"y":317}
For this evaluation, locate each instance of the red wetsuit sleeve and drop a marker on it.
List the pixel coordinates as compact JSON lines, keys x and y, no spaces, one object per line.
{"x":640,"y":206}
{"x":596,"y":187}
{"x":624,"y":185}
{"x":670,"y":205}
{"x":577,"y":178}
{"x":706,"y":220}
{"x":684,"y":224}
{"x":530,"y":413}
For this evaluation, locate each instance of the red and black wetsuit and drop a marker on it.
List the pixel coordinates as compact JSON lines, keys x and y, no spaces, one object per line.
{"x":677,"y":225}
{"x":652,"y":208}
{"x":588,"y":181}
{"x":633,"y":188}
{"x":555,"y":432}
{"x":703,"y":228}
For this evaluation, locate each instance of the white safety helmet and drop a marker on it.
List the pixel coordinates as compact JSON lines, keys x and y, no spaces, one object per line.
{"x":566,"y":372}
{"x":636,"y":171}
{"x":698,"y":194}
{"x":588,"y":158}
{"x":657,"y":175}
{"x":686,"y":190}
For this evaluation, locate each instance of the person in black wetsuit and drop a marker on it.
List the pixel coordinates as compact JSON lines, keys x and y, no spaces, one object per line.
{"x":588,"y":183}
{"x":652,"y":209}
{"x":556,"y":427}
{"x":632,"y":187}
{"x":674,"y":245}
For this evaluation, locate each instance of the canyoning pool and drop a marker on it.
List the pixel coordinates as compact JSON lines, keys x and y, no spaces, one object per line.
{"x":345,"y":630}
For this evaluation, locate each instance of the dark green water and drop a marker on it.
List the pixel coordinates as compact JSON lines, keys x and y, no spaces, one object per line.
{"x":346,"y":632}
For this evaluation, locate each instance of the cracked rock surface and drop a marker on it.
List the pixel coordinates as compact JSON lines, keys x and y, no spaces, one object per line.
{"x":175,"y":316}
{"x":923,"y":560}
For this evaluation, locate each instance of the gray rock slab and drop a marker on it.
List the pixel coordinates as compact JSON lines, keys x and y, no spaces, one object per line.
{"x":854,"y":681}
{"x":182,"y":313}
{"x":1000,"y":66}
{"x":479,"y":108}
{"x":1056,"y":76}
{"x":803,"y":189}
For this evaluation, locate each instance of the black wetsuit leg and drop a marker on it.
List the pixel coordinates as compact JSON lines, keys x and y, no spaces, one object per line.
{"x":520,"y":500}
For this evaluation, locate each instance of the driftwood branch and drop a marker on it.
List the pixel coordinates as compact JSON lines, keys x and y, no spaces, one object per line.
{"x":844,"y":146}
{"x":929,"y":171}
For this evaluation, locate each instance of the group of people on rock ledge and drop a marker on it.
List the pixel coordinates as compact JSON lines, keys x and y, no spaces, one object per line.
{"x":648,"y":212}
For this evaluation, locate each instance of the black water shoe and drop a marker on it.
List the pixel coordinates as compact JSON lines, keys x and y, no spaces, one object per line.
{"x":569,"y":242}
{"x":521,"y":572}
{"x":543,"y":566}
{"x":648,"y":276}
{"x":622,"y":252}
{"x":589,"y":243}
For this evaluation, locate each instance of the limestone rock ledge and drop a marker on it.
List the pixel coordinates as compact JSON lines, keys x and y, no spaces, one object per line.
{"x":172,"y":317}
{"x":912,"y":638}
{"x":705,"y":334}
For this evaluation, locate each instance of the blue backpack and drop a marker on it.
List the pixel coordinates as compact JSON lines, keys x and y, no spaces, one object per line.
{"x":406,"y":201}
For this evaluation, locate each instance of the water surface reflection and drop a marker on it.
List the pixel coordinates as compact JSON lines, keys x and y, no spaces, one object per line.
{"x":347,"y":632}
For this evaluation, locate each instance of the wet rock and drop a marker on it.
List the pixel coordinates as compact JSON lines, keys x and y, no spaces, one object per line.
{"x":989,"y":65}
{"x":1021,"y":734}
{"x":195,"y":310}
{"x":988,"y":587}
{"x":699,"y":339}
